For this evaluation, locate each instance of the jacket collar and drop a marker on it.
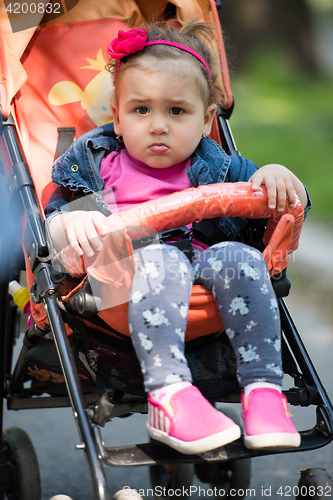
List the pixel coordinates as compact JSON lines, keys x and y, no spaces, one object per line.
{"x":208,"y":154}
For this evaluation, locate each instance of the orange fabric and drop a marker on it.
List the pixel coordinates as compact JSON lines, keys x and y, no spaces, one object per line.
{"x":4,"y":87}
{"x":228,"y":98}
{"x":63,"y":93}
{"x":279,"y":246}
{"x":114,"y":267}
{"x":203,"y":317}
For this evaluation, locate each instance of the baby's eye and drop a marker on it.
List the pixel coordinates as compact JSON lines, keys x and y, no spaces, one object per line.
{"x":142,"y":110}
{"x":176,"y":111}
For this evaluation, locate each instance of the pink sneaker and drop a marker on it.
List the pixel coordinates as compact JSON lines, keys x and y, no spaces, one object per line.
{"x":189,"y":423}
{"x":267,"y":422}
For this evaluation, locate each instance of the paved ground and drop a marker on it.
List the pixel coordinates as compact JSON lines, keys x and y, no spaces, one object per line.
{"x":53,"y":432}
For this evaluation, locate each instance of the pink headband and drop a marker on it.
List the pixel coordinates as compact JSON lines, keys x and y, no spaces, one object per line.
{"x":128,"y":42}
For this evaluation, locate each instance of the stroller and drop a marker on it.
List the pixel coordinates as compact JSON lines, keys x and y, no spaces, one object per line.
{"x":49,"y":95}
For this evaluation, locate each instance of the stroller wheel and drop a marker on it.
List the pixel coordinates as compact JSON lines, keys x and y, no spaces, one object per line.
{"x":314,"y":484}
{"x":165,"y":479}
{"x":23,"y":482}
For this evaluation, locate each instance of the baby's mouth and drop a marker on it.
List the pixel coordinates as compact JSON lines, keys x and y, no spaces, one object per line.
{"x":158,"y":148}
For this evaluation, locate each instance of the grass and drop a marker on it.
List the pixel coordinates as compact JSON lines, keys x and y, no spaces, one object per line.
{"x":281,"y":116}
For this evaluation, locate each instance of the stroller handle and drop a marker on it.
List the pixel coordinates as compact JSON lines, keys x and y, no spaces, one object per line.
{"x":205,"y":202}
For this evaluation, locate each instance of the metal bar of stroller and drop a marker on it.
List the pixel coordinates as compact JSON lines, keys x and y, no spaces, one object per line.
{"x":324,"y":406}
{"x":74,"y":390}
{"x":227,"y":139}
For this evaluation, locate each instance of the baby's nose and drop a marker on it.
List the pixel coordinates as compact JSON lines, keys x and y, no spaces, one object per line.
{"x":158,"y":125}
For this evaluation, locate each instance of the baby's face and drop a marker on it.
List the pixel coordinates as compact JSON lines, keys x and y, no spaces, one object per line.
{"x":161,"y":114}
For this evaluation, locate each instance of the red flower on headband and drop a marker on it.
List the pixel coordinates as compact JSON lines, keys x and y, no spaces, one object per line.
{"x":126,"y":43}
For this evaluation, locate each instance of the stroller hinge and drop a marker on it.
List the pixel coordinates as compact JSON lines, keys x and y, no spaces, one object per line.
{"x":43,"y":285}
{"x":102,"y":411}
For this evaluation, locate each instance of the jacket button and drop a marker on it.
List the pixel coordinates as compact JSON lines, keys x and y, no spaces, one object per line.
{"x":74,"y":168}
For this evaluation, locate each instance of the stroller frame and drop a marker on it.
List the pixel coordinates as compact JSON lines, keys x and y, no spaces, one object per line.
{"x":308,"y":388}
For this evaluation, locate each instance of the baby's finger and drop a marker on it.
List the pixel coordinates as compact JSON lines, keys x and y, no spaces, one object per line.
{"x":99,"y":220}
{"x":291,"y":194}
{"x":84,"y":243}
{"x":281,"y":195}
{"x":72,"y":240}
{"x":270,"y":184}
{"x":82,"y":239}
{"x":256,"y":180}
{"x":92,"y":236}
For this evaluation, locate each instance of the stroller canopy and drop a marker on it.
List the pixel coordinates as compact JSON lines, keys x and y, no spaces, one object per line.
{"x":18,"y":26}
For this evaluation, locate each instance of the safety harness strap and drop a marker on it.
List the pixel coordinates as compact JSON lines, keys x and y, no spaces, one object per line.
{"x":65,"y":140}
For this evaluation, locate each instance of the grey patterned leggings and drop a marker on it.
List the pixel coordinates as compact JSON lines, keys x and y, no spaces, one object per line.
{"x":238,"y":277}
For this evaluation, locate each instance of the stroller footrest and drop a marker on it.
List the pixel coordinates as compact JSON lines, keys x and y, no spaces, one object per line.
{"x":157,"y":453}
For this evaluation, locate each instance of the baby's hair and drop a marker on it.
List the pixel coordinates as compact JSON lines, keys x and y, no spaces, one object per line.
{"x":196,"y":36}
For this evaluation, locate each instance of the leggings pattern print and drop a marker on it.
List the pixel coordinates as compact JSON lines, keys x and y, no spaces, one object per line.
{"x":238,"y":277}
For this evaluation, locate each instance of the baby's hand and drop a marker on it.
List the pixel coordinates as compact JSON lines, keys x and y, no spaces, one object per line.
{"x":84,"y":231}
{"x":279,"y":184}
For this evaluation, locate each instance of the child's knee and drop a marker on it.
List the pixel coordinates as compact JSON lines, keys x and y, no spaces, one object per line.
{"x":164,"y":262}
{"x":235,"y":252}
{"x":228,"y":262}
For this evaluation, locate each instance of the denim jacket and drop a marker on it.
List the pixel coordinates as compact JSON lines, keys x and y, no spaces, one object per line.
{"x":77,"y":174}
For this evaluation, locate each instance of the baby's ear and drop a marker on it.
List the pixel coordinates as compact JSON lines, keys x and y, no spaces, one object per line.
{"x":208,"y":120}
{"x":115,"y":114}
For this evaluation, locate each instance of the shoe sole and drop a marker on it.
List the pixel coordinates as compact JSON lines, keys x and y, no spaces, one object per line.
{"x":200,"y":445}
{"x":275,"y":441}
